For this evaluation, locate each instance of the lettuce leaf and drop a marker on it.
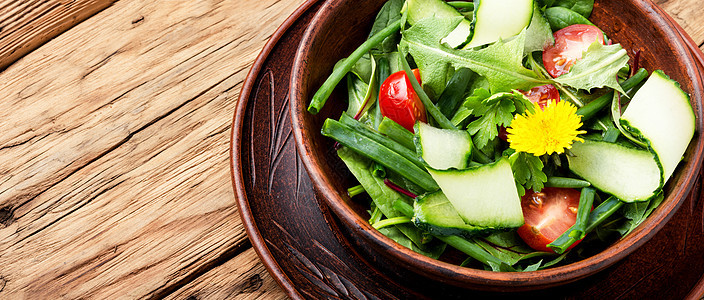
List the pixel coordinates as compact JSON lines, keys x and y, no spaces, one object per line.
{"x":501,"y":62}
{"x":598,"y":68}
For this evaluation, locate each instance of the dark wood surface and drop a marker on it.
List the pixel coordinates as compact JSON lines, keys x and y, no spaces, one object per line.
{"x":313,"y":256}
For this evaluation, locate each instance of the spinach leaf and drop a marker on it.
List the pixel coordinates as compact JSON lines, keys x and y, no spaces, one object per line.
{"x":598,"y":67}
{"x":560,"y":17}
{"x":545,"y":3}
{"x":356,"y":93}
{"x":582,"y":7}
{"x":362,"y":88}
{"x":501,"y":62}
{"x":389,"y":13}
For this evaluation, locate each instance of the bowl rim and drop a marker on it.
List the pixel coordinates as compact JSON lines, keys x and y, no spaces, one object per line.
{"x":457,"y":275}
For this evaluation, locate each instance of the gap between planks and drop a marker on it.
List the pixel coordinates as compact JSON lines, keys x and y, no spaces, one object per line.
{"x":126,"y":111}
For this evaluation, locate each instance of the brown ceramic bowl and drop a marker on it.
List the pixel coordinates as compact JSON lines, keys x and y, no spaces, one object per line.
{"x":341,"y":25}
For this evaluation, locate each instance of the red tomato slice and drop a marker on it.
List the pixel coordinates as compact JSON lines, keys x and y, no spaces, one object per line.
{"x":547,"y":215}
{"x":399,"y":102}
{"x":543,"y":95}
{"x":570,"y":43}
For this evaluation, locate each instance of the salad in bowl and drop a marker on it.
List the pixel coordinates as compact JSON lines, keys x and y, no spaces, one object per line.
{"x":514,"y":132}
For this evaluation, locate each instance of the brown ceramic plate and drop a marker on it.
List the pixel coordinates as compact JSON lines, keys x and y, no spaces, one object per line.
{"x":340,"y":26}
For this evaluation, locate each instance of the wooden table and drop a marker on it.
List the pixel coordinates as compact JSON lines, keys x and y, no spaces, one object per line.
{"x":116,"y":120}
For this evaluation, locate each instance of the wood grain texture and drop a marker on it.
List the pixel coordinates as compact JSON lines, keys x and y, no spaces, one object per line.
{"x":113,"y":128}
{"x":689,"y":14}
{"x":26,"y":25}
{"x":242,"y":277}
{"x":114,"y":163}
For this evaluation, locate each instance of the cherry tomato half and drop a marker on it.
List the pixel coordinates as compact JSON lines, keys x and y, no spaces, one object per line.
{"x":570,"y":43}
{"x":399,"y":102}
{"x":548,"y":214}
{"x":543,"y":95}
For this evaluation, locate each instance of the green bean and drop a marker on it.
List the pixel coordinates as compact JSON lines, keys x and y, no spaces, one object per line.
{"x":355,"y":190}
{"x":586,"y":199}
{"x":390,"y":222}
{"x":603,"y":212}
{"x":565,"y":182}
{"x":471,"y":249}
{"x":592,"y":108}
{"x":429,"y":105}
{"x":384,"y":70}
{"x":360,"y":143}
{"x":397,"y":133}
{"x":404,"y":208}
{"x":377,"y":137}
{"x":596,"y":217}
{"x":461,"y":4}
{"x":321,"y":96}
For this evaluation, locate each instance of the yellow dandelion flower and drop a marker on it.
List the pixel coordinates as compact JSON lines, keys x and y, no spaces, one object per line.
{"x":547,"y":131}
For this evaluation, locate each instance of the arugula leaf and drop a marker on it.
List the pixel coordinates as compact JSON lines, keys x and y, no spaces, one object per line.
{"x":598,"y":67}
{"x":508,"y":247}
{"x":494,"y":111}
{"x":637,"y":212}
{"x":538,"y":35}
{"x":501,"y":63}
{"x":389,"y":13}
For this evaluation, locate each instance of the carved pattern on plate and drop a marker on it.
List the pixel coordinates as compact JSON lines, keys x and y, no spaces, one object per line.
{"x":330,"y":281}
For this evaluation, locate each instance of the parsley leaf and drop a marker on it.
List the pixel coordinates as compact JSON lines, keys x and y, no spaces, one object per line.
{"x":528,"y":172}
{"x":494,"y":111}
{"x":466,"y":109}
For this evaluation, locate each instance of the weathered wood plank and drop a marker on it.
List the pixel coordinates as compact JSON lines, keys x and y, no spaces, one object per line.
{"x":242,"y":277}
{"x":114,"y":158}
{"x":26,"y":25}
{"x":689,"y":14}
